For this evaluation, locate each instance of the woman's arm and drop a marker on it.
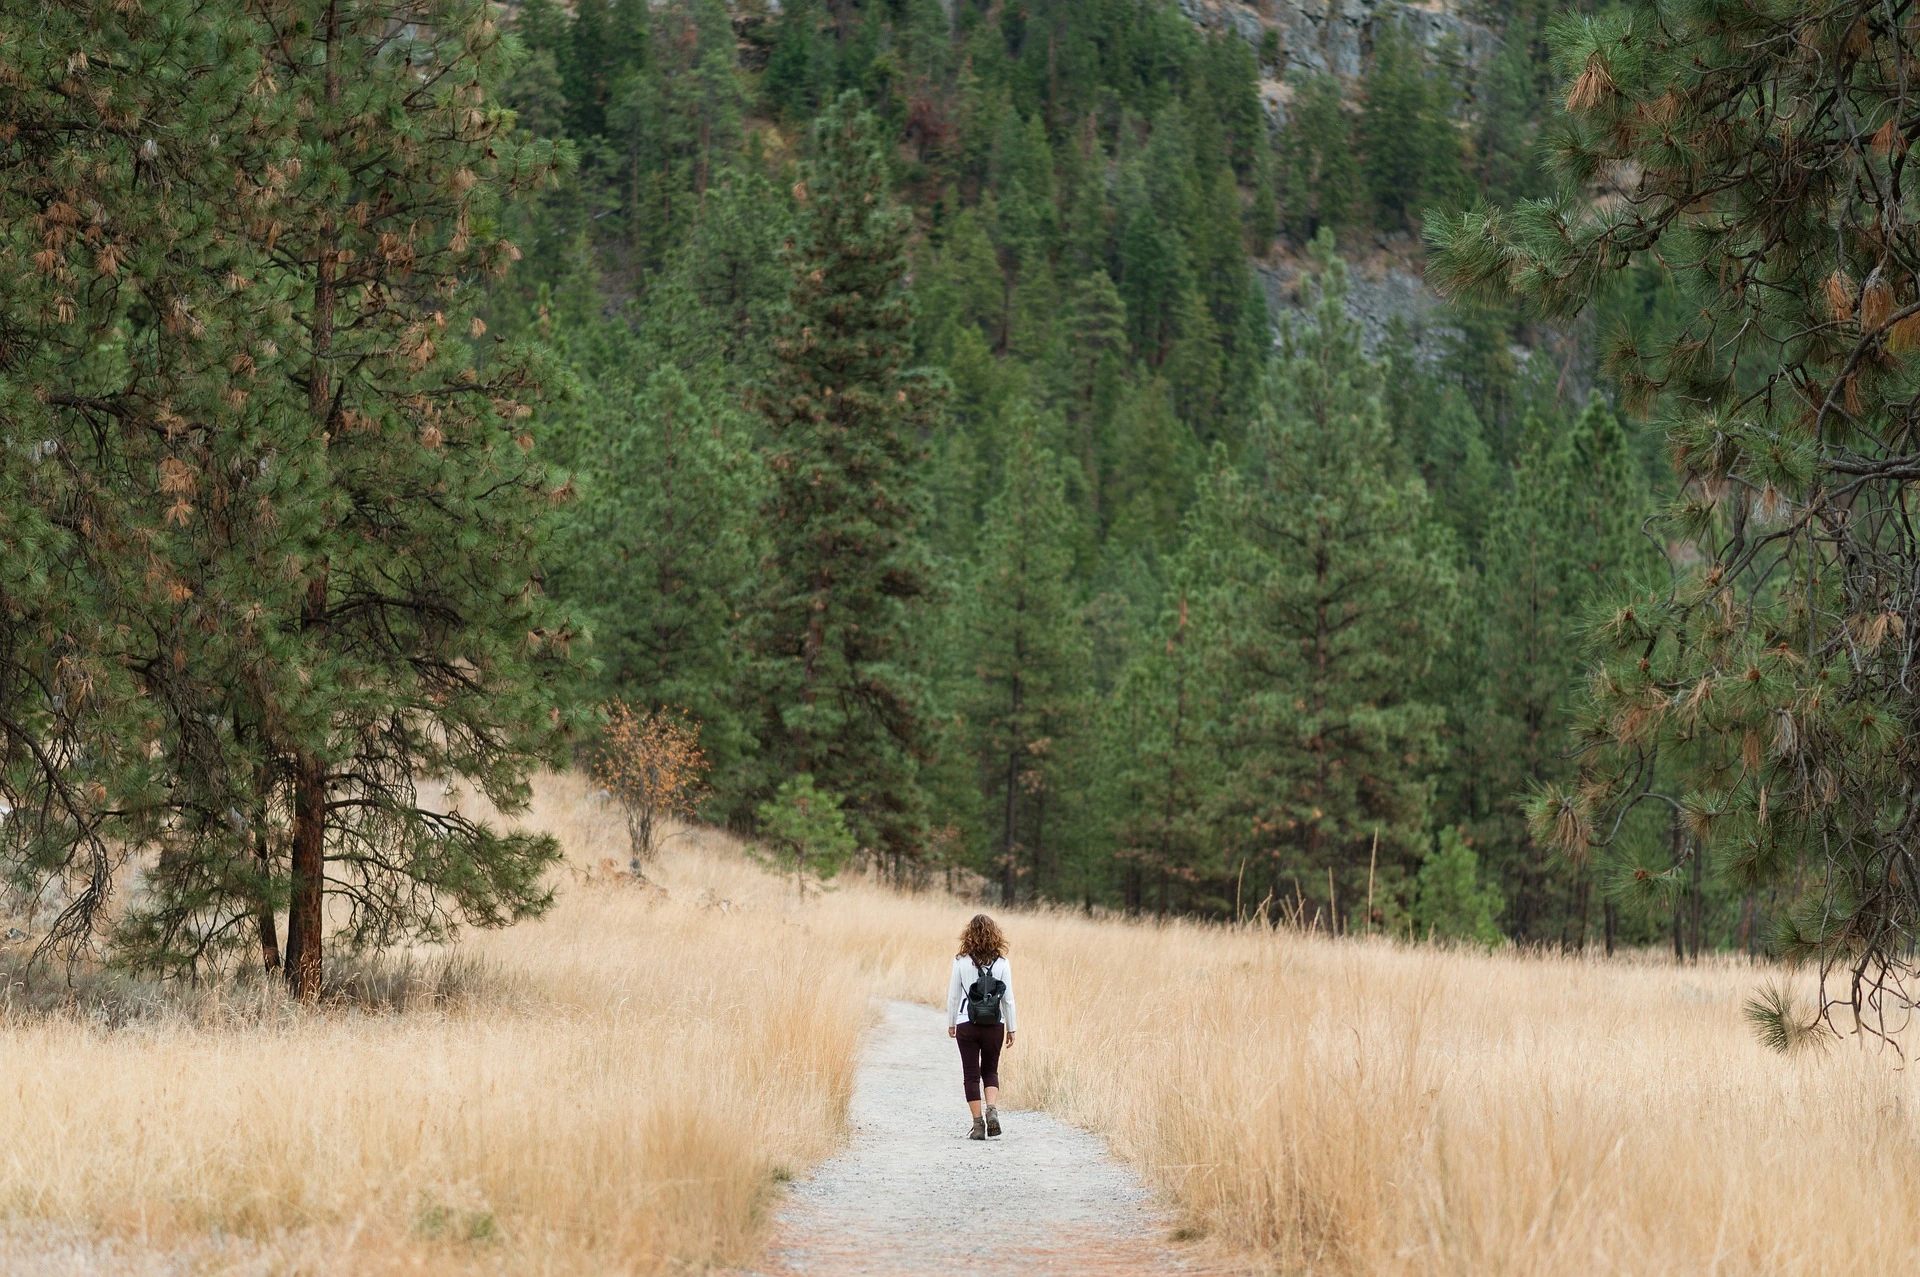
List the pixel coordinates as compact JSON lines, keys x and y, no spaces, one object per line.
{"x":956,"y":991}
{"x":1006,"y":998}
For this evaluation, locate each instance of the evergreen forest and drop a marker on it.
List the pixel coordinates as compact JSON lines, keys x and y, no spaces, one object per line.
{"x":1022,"y":513}
{"x":977,"y":421}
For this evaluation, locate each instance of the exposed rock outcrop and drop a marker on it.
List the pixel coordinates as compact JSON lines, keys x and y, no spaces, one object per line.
{"x":1335,"y":37}
{"x":1382,"y":286}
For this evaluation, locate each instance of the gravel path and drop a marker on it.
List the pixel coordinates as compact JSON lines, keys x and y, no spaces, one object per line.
{"x":901,"y":1198}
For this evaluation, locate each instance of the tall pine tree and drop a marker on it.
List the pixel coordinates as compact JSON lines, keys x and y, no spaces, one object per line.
{"x":1026,"y":650}
{"x":405,"y":636}
{"x":661,"y":549}
{"x":326,"y":514}
{"x":1160,"y":749}
{"x":1337,"y":595}
{"x":836,"y":632}
{"x":1771,"y":682}
{"x":132,"y":454}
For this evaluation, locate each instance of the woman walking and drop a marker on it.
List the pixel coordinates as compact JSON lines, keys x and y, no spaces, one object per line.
{"x":980,"y":1017}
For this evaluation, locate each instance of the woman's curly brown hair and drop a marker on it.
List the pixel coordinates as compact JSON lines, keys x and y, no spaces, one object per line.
{"x":982,"y":941}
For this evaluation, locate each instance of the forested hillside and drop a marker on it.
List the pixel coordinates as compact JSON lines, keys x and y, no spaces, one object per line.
{"x":933,"y":436}
{"x":1011,"y":443}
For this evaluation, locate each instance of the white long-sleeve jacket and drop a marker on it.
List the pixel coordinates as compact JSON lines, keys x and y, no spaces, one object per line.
{"x":964,"y":974}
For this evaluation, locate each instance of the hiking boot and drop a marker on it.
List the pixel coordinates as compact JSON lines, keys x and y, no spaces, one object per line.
{"x":979,"y":1131}
{"x":993,"y":1120}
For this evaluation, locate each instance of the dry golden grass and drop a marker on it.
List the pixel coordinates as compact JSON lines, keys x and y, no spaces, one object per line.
{"x":611,"y":1088}
{"x":618,"y":1088}
{"x":1363,"y":1108}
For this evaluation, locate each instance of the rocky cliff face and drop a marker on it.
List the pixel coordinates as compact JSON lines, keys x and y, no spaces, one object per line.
{"x":1335,"y":37}
{"x":1383,"y":285}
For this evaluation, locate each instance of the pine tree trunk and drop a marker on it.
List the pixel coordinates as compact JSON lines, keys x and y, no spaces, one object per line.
{"x":1037,"y":861}
{"x":1696,"y":923}
{"x":263,"y":910}
{"x":1010,"y":870}
{"x":1574,"y":938}
{"x":1676,"y":837}
{"x":1610,"y":913}
{"x":304,"y":922}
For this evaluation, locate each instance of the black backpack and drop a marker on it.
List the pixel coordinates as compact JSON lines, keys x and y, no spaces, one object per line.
{"x":983,"y":999}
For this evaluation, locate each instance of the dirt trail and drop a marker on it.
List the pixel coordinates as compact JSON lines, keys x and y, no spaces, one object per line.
{"x":902,"y":1198}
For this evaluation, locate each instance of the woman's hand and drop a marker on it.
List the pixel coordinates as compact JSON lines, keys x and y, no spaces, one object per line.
{"x":952,"y":1031}
{"x":1009,"y":1039}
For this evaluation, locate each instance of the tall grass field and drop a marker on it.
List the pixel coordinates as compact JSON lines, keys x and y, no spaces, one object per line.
{"x":623,"y":1086}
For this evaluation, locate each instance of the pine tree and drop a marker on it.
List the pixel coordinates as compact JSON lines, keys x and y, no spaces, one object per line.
{"x":1336,"y":596}
{"x":1770,"y":681}
{"x":407,"y":636}
{"x":1450,"y":902}
{"x":1026,"y":649}
{"x":964,"y":283}
{"x":1529,"y":606}
{"x":660,"y":550}
{"x":536,"y":91}
{"x":125,"y":426}
{"x":1412,"y":151}
{"x":1319,"y":185}
{"x":1508,"y":106}
{"x":1160,"y":753}
{"x":712,"y":306}
{"x":674,"y":121}
{"x":1089,"y":378}
{"x":607,"y":41}
{"x":335,"y":588}
{"x":1156,"y":271}
{"x":801,"y":67}
{"x":1150,"y":471}
{"x":845,"y":572}
{"x":1609,"y":504}
{"x":1610,"y":509}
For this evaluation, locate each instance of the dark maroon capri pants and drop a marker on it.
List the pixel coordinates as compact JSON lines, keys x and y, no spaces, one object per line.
{"x":979,"y":1054}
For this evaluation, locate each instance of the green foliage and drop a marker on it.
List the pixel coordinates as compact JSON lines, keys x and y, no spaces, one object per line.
{"x":1337,"y":595}
{"x":834,"y":632}
{"x":1026,"y":651}
{"x":1320,"y":180}
{"x":660,"y":548}
{"x":1085,"y":186}
{"x":292,"y":464}
{"x":1781,"y":1023}
{"x":1160,"y":761}
{"x":105,"y":646}
{"x":801,"y":71}
{"x":803,"y":830}
{"x":1757,"y":687}
{"x":335,"y":592}
{"x":1413,"y":151}
{"x":1450,"y":902}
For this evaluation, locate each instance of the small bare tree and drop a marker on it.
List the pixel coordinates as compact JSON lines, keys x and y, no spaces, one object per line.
{"x":651,"y":763}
